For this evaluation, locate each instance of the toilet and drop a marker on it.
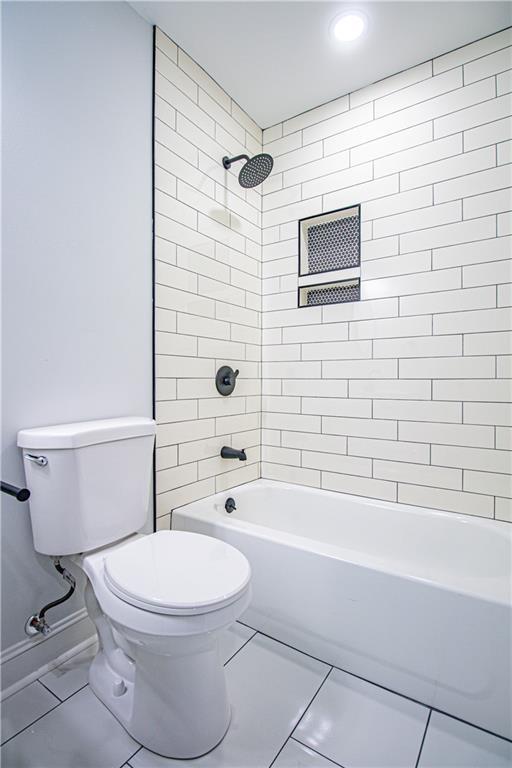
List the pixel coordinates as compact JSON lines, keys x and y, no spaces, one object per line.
{"x":159,"y":601}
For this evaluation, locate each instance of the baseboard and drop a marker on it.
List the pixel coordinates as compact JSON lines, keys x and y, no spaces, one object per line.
{"x":27,"y":660}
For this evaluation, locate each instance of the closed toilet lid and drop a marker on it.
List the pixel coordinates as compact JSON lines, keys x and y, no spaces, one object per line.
{"x":177,"y":572}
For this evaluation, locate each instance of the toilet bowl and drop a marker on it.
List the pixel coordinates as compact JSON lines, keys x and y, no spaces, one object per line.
{"x":159,"y":601}
{"x":164,"y":598}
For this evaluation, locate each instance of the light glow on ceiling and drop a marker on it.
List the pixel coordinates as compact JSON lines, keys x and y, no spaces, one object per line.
{"x":349,"y":26}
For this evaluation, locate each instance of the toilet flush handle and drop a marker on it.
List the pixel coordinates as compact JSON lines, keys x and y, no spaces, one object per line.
{"x":41,"y":460}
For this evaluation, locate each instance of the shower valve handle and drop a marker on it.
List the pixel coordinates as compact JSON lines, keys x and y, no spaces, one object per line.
{"x":225,"y":380}
{"x":230,"y":376}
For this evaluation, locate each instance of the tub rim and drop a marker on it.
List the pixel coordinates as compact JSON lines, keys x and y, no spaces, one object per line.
{"x":200,"y":512}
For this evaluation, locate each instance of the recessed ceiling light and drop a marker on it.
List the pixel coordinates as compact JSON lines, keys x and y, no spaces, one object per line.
{"x":349,"y":26}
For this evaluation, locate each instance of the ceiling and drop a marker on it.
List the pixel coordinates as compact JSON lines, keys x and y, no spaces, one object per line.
{"x":277,"y":59}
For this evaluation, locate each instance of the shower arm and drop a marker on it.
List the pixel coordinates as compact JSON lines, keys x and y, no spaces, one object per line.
{"x":226,"y":161}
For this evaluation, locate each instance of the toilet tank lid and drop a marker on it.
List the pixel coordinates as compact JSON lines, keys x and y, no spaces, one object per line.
{"x":83,"y":433}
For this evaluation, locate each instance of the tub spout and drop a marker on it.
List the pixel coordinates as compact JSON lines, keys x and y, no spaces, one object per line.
{"x":233,"y":453}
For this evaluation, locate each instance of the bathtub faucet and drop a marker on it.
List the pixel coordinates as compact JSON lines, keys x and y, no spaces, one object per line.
{"x":232,"y":453}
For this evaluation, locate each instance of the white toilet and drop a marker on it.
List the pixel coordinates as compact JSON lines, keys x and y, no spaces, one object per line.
{"x":159,"y":601}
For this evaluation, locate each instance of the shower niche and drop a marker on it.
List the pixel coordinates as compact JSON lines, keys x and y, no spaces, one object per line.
{"x":330,"y":257}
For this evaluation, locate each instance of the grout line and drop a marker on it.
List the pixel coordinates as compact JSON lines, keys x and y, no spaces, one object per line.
{"x":198,"y":231}
{"x":383,"y":687}
{"x":222,"y":123}
{"x":312,"y":700}
{"x":58,"y":704}
{"x":50,"y":690}
{"x":395,"y":113}
{"x":300,"y":718}
{"x":400,"y":483}
{"x":397,"y":171}
{"x":153,"y":270}
{"x":216,"y":279}
{"x":293,"y":738}
{"x":429,"y":77}
{"x":255,"y":633}
{"x":127,"y":762}
{"x":178,"y":198}
{"x":423,"y":739}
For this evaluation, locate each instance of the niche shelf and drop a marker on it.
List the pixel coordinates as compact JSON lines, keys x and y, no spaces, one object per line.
{"x":330,"y":254}
{"x":329,"y":293}
{"x":330,"y":241}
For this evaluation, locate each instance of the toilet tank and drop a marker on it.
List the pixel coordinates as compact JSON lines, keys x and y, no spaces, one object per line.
{"x":89,"y":482}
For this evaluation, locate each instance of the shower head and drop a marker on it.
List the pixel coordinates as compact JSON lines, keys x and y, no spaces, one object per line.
{"x":254,"y":171}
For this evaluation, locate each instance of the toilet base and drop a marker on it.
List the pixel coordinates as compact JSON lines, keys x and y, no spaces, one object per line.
{"x":177,"y":703}
{"x":161,"y":675}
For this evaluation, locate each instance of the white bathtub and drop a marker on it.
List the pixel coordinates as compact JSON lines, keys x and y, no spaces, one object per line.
{"x":415,"y":600}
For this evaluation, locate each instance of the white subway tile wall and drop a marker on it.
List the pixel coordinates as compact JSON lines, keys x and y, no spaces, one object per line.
{"x":404,"y":396}
{"x":208,"y":285}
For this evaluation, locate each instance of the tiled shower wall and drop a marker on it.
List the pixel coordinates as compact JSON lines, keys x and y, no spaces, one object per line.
{"x":402,"y":396}
{"x":405,"y":395}
{"x":208,"y":285}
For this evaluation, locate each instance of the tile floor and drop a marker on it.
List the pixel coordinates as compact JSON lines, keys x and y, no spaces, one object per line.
{"x":289,"y":711}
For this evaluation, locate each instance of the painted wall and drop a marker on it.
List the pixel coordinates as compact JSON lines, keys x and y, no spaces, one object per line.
{"x":77,"y":95}
{"x":208,"y":287}
{"x":405,"y":395}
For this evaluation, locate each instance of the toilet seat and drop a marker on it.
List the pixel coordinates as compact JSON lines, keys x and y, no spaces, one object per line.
{"x":177,"y":573}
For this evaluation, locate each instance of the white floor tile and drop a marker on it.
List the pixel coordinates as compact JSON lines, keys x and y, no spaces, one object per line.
{"x":452,"y":744}
{"x":80,"y":733}
{"x":233,"y":639}
{"x":25,"y":706}
{"x":360,"y":725}
{"x":295,"y":755}
{"x":70,"y":676}
{"x":270,"y":686}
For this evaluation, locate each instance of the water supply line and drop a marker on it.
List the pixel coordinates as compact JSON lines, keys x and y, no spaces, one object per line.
{"x":37,"y":623}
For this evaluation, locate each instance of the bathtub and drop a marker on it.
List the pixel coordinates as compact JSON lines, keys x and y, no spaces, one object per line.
{"x":412,"y":599}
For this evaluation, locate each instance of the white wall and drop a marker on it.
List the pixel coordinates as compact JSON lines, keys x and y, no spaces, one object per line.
{"x":208,"y":287}
{"x":76,"y":244}
{"x":405,"y":395}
